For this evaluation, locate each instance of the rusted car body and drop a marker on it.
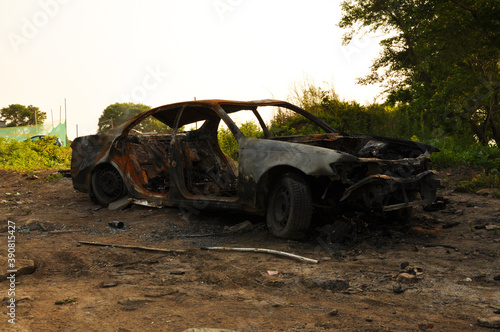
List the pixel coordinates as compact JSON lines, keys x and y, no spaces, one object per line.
{"x":286,"y":178}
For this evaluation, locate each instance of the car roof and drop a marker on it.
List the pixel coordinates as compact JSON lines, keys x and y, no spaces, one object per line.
{"x":199,"y":110}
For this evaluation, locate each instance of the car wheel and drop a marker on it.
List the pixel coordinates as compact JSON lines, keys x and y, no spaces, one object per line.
{"x":107,"y":185}
{"x":290,"y":207}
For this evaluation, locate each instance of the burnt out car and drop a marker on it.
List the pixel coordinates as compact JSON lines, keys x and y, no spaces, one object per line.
{"x":285,"y":178}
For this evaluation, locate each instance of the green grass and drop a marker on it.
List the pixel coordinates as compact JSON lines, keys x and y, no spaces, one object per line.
{"x":454,"y":153}
{"x":485,"y":179}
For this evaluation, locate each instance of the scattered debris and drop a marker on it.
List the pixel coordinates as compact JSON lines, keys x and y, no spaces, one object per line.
{"x":334,"y":312}
{"x":491,"y":322}
{"x":132,"y":247}
{"x":57,"y":231}
{"x":108,"y":284}
{"x":144,"y":202}
{"x":440,"y":245}
{"x":425,"y":326}
{"x":42,"y":227}
{"x":492,"y":227}
{"x":24,"y":298}
{"x":406,"y":278}
{"x":272,"y":273}
{"x":66,"y":301}
{"x":243,"y":226}
{"x":438,"y":204}
{"x":120,"y":204}
{"x":269,"y":251}
{"x":116,"y":224}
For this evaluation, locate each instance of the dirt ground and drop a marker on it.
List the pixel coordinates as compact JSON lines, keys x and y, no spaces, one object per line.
{"x":438,"y":272}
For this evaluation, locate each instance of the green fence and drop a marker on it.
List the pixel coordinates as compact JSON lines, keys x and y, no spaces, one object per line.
{"x":23,"y":133}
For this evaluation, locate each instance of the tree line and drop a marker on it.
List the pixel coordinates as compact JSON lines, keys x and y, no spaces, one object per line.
{"x":439,"y":66}
{"x":440,"y":62}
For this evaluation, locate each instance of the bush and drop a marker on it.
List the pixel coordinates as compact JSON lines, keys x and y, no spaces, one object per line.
{"x":486,"y":179}
{"x":28,"y":156}
{"x":458,"y":151}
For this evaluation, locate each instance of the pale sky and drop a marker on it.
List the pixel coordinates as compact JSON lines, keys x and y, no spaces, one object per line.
{"x":98,"y":52}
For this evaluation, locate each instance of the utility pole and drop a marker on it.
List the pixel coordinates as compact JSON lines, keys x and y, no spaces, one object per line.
{"x":65,"y":123}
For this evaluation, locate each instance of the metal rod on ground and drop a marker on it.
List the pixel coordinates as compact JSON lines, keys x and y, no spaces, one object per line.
{"x":269,"y":251}
{"x":130,"y":247}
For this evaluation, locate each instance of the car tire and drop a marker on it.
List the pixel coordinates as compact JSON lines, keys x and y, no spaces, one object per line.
{"x":289,"y":208}
{"x":107,"y":185}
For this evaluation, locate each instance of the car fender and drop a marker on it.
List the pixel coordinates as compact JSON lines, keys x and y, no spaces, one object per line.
{"x":257,"y":156}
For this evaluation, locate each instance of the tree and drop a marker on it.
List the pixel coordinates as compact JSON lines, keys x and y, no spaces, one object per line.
{"x":117,"y":113}
{"x":17,"y":115}
{"x":344,"y":116}
{"x":441,"y":60}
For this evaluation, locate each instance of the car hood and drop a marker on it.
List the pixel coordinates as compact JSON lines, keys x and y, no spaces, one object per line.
{"x":315,"y":154}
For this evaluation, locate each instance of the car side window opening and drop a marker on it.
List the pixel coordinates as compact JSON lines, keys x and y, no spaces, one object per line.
{"x":250,"y":124}
{"x":205,"y":170}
